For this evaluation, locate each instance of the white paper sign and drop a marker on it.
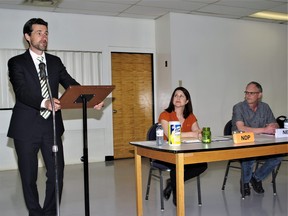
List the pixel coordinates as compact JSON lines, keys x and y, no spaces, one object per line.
{"x":281,"y":132}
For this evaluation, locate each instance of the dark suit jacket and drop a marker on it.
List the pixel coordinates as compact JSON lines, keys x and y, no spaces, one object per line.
{"x":26,"y":85}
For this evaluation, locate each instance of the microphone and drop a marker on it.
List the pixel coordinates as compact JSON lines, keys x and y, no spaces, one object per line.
{"x":42,"y":71}
{"x":43,"y":77}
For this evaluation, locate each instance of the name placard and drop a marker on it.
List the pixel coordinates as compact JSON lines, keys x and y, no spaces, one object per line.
{"x":246,"y":137}
{"x":281,"y":132}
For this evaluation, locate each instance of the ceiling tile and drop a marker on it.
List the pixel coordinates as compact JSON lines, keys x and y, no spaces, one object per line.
{"x":93,"y":6}
{"x":280,"y":9}
{"x":142,"y":10}
{"x":252,"y":4}
{"x":178,"y":5}
{"x":234,"y":11}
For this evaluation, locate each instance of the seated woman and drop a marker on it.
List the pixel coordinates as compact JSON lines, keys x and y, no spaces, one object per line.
{"x":180,"y":109}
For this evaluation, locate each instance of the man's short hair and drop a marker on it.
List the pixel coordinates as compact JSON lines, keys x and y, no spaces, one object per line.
{"x":27,"y":29}
{"x":257,"y":85}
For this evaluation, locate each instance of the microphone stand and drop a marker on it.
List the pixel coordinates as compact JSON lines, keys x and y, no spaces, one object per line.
{"x":43,"y":75}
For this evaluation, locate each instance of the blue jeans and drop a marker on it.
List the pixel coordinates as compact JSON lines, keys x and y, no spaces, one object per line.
{"x":262,"y":172}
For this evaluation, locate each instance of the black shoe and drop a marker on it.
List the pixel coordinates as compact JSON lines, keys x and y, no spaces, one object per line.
{"x":246,"y":189}
{"x":257,"y":185}
{"x":167,"y":191}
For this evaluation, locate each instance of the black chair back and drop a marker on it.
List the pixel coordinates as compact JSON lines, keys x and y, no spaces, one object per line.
{"x":228,"y":128}
{"x":280,"y":120}
{"x":151,"y":134}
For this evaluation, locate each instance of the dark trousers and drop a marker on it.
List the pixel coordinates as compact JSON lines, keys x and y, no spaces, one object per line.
{"x":190,"y":171}
{"x":27,"y":152}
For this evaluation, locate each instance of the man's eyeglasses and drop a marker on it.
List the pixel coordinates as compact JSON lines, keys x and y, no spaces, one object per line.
{"x":251,"y":93}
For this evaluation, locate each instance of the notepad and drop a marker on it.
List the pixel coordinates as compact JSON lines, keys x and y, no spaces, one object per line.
{"x":221,"y":138}
{"x":190,"y":140}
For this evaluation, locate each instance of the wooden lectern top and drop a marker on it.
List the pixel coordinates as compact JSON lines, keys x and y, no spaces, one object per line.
{"x":71,"y":99}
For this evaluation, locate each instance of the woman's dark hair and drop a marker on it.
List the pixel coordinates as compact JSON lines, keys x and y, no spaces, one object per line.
{"x":27,"y":29}
{"x":188,"y":107}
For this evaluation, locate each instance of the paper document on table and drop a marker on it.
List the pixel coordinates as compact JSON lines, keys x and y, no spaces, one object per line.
{"x":221,"y":138}
{"x":190,"y":140}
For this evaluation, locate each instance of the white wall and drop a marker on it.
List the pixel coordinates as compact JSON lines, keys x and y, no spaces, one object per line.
{"x":77,"y":33}
{"x":215,"y":58}
{"x":164,"y":73}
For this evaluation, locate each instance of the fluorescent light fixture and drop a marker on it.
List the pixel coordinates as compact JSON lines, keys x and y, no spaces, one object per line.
{"x":270,"y":15}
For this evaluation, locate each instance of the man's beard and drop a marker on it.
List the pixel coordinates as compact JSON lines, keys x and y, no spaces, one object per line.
{"x":40,"y":46}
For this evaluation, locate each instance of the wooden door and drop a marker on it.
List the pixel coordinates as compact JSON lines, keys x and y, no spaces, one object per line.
{"x":132,"y":100}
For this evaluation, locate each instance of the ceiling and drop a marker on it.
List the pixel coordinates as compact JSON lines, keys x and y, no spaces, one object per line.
{"x":153,"y":9}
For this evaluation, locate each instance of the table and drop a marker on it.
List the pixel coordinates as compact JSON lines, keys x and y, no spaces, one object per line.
{"x":197,"y":153}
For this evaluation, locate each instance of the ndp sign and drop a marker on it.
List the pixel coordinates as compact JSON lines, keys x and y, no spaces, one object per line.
{"x":243,"y":137}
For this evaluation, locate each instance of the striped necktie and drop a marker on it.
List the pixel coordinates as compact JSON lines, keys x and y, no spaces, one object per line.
{"x":44,"y":90}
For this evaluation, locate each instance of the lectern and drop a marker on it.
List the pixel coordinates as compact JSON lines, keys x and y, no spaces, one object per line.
{"x":86,"y":97}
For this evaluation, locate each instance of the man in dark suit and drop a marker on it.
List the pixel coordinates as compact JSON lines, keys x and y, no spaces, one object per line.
{"x":31,"y":124}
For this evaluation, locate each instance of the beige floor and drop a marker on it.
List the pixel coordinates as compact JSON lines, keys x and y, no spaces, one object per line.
{"x":112,"y":192}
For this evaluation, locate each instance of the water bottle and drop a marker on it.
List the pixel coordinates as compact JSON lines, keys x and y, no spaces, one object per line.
{"x":159,"y":135}
{"x":286,"y":123}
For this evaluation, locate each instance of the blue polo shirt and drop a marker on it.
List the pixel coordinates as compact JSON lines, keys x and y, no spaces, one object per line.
{"x":258,"y":119}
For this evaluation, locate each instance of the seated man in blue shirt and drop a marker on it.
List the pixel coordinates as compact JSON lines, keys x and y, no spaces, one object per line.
{"x":253,"y":115}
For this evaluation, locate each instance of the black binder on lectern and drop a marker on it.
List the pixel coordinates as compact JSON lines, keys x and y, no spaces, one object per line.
{"x":85,"y":97}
